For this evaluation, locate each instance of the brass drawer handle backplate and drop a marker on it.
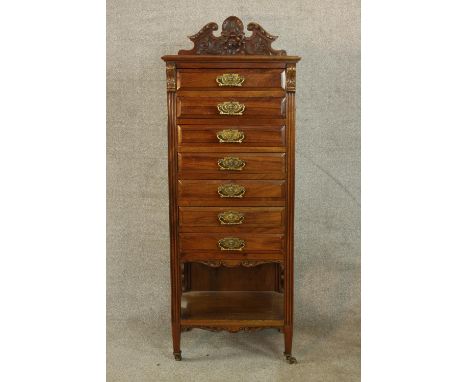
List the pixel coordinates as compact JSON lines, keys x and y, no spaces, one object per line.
{"x":230,"y":136}
{"x":231,"y":244}
{"x":231,"y":108}
{"x":231,"y":217}
{"x":231,"y":163}
{"x":230,"y":79}
{"x":231,"y":190}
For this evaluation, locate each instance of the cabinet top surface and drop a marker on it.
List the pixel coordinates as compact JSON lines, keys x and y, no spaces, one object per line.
{"x":214,"y":58}
{"x":232,"y":45}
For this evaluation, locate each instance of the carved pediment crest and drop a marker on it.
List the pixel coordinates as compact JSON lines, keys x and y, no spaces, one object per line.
{"x":232,"y":40}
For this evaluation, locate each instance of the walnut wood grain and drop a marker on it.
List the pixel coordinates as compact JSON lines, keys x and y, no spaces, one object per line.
{"x":232,"y":93}
{"x":230,"y":275}
{"x":232,"y":40}
{"x":206,"y":107}
{"x":204,"y":135}
{"x":265,"y":79}
{"x":210,"y":255}
{"x":231,"y":306}
{"x":253,"y":217}
{"x":176,"y":288}
{"x":271,"y":243}
{"x":211,"y":288}
{"x":289,"y":263}
{"x":205,"y":192}
{"x":240,"y":61}
{"x":271,"y":165}
{"x":230,"y":263}
{"x":232,"y":328}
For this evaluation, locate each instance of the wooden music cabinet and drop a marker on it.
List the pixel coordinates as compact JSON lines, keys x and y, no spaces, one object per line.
{"x":231,"y":117}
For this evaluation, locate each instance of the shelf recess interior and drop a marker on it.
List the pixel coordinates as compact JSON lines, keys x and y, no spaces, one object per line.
{"x":218,"y":307}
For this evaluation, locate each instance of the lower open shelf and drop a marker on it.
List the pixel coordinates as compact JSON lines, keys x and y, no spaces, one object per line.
{"x":223,"y":307}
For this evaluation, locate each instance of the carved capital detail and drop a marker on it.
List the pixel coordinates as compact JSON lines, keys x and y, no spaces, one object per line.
{"x":237,"y":263}
{"x":171,"y":77}
{"x":233,"y":40}
{"x":291,"y":78}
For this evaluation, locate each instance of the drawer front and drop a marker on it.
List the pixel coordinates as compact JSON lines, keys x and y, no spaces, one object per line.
{"x":231,"y":193}
{"x":230,"y":107}
{"x":231,"y":218}
{"x":227,"y":244}
{"x":230,"y":79}
{"x":231,"y":136}
{"x":238,"y":164}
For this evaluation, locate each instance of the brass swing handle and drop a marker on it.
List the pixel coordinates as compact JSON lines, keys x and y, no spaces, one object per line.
{"x":231,"y":163}
{"x":231,"y":244}
{"x":231,"y":190}
{"x":230,"y":136}
{"x":230,"y":79}
{"x":231,"y":108}
{"x":231,"y":217}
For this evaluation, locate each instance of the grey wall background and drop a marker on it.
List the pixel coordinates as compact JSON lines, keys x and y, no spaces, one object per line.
{"x":327,"y":300}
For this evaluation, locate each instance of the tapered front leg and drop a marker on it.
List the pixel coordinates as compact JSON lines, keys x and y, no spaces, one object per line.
{"x":288,"y":332}
{"x":176,"y":342}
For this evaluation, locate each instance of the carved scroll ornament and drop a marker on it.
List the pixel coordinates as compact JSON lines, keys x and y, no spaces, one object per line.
{"x":231,"y":263}
{"x":233,"y":40}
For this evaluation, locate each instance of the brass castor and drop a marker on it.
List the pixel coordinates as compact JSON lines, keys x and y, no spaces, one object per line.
{"x":290,"y":359}
{"x":178,"y":356}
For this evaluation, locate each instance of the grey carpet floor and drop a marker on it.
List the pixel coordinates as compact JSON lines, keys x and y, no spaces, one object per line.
{"x":139,"y":350}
